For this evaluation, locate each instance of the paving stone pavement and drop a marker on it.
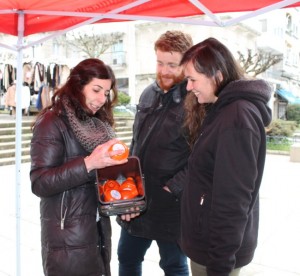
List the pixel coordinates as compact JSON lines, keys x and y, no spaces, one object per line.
{"x":279,"y":240}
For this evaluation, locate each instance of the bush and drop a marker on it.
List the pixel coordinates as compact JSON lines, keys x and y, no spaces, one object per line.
{"x":278,"y":143}
{"x":293,"y":112}
{"x":281,"y":128}
{"x":123,"y":98}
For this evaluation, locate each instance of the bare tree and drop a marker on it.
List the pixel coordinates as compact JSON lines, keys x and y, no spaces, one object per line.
{"x":257,"y":63}
{"x":91,"y":43}
{"x":8,"y":57}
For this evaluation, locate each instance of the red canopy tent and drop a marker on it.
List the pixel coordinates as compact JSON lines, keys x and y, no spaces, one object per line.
{"x":25,"y":17}
{"x":53,"y":15}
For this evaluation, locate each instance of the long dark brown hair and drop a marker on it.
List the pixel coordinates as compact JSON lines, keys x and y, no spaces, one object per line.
{"x":81,"y":75}
{"x":209,"y":57}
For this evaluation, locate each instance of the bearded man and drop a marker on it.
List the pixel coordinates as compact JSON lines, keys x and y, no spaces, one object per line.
{"x":160,"y":143}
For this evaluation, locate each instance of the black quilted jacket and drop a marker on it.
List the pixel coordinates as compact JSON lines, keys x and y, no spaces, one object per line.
{"x":73,"y":243}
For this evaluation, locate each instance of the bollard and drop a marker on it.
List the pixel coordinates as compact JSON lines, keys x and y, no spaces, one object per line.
{"x":295,"y":153}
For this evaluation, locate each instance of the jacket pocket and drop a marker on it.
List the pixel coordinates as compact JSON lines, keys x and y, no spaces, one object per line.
{"x":163,"y":202}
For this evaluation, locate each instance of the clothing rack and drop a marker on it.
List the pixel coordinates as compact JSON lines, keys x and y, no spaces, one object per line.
{"x":35,"y":74}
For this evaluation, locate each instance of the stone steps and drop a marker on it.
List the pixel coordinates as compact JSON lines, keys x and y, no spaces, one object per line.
{"x":12,"y":145}
{"x":123,"y":128}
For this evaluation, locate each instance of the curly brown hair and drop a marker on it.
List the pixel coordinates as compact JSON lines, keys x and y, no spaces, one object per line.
{"x":174,"y":41}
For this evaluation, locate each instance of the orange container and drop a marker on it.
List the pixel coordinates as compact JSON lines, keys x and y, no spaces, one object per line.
{"x":120,"y":146}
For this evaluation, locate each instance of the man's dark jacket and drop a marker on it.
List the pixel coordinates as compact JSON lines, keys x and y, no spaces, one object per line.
{"x":163,"y":156}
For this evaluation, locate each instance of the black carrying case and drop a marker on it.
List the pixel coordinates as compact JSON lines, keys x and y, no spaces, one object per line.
{"x":120,"y":172}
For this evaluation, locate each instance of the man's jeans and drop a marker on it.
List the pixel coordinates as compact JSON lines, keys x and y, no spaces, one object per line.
{"x":131,"y":252}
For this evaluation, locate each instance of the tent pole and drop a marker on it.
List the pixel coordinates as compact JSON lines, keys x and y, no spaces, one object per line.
{"x":131,"y":62}
{"x":19,"y":138}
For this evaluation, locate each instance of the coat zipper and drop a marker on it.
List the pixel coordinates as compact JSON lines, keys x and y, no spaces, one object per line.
{"x":202,"y":199}
{"x":62,"y":214}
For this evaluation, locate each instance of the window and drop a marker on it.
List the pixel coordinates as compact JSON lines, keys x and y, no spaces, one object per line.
{"x":264,"y":25}
{"x":118,"y":46}
{"x":288,"y":23}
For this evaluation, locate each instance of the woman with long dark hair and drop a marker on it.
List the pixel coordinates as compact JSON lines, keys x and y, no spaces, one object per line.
{"x":226,"y":118}
{"x":70,"y":140}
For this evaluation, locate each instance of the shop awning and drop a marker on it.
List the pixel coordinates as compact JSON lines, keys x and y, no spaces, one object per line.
{"x":288,"y":95}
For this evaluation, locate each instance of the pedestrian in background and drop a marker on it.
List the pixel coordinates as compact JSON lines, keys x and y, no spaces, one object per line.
{"x":25,"y":95}
{"x":70,"y":140}
{"x":10,"y":99}
{"x":160,"y":143}
{"x":226,"y":117}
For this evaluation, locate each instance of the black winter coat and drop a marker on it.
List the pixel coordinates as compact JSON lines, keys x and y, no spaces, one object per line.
{"x":220,"y":202}
{"x":73,"y":243}
{"x":163,"y":157}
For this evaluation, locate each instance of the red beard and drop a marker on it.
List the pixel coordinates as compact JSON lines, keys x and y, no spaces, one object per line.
{"x":175,"y":80}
